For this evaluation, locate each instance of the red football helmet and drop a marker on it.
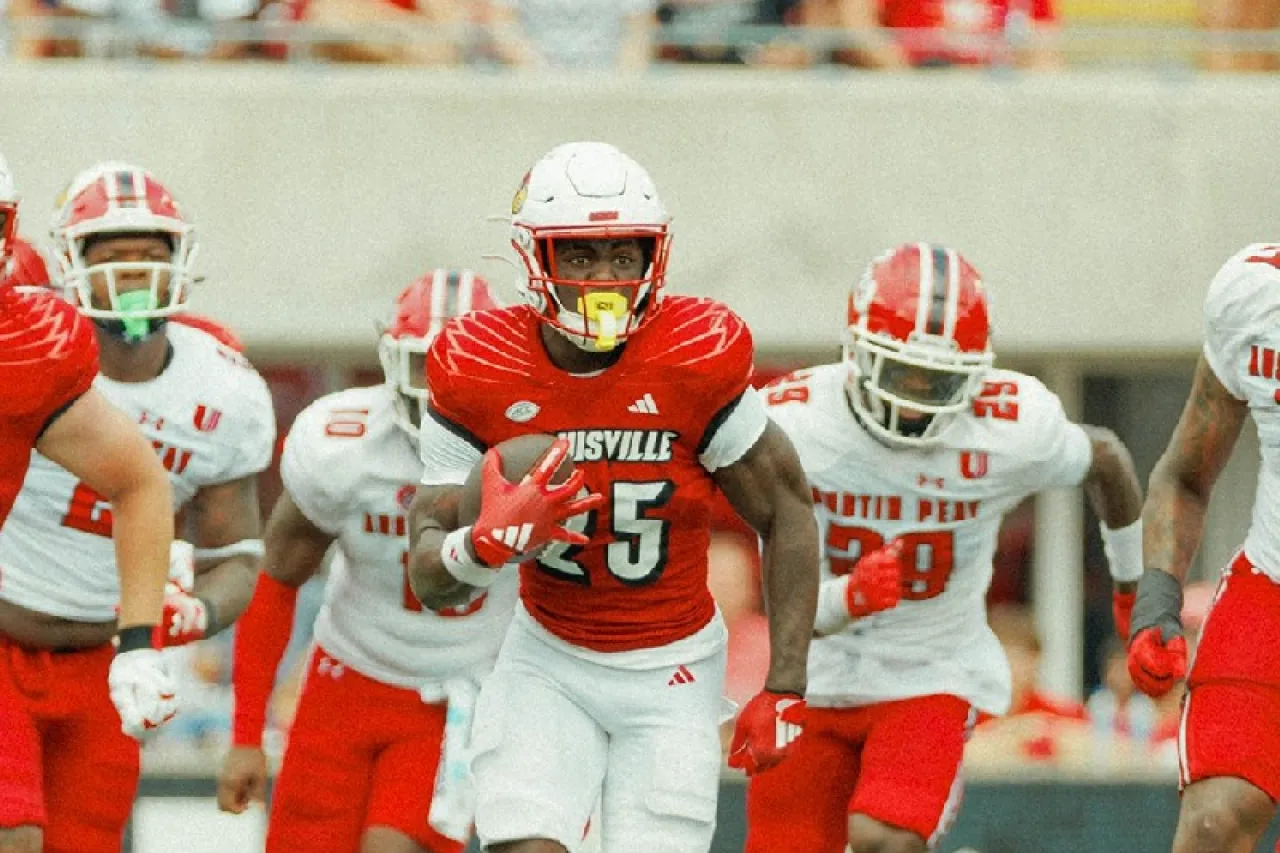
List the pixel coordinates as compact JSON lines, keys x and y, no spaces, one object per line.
{"x":119,"y":199}
{"x":421,"y":310}
{"x":27,"y":266}
{"x":918,"y":342}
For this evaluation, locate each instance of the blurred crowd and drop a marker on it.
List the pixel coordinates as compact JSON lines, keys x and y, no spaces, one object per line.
{"x":594,"y":35}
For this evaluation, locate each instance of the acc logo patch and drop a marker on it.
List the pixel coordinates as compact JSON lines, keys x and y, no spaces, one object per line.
{"x":522,"y":412}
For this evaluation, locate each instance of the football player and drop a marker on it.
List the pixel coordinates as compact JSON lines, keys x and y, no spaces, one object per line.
{"x":56,"y":672}
{"x":915,"y":447}
{"x":390,"y":684}
{"x":1229,"y":739}
{"x":609,"y":682}
{"x":124,"y":251}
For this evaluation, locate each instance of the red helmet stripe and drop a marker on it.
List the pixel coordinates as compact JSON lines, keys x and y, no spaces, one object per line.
{"x":941,"y":279}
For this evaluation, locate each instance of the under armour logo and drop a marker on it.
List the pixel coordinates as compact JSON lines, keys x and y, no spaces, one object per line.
{"x":925,"y":480}
{"x":644,"y":406}
{"x":515,"y":537}
{"x":330,"y":667}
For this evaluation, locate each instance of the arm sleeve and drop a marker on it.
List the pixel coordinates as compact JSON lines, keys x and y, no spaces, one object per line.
{"x":733,"y":431}
{"x":311,"y":468}
{"x":261,"y":636}
{"x":253,"y":430}
{"x":448,"y":451}
{"x":1237,"y":303}
{"x":1059,"y":452}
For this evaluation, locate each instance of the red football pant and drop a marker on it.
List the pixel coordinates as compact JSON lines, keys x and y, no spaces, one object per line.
{"x":895,"y":762}
{"x":1231,"y":713}
{"x":66,"y":766}
{"x":361,"y":753}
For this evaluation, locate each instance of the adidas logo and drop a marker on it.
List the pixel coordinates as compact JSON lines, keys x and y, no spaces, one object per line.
{"x":681,"y":676}
{"x":515,"y":537}
{"x":644,"y":406}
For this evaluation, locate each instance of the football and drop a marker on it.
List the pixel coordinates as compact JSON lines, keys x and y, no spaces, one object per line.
{"x":518,"y":456}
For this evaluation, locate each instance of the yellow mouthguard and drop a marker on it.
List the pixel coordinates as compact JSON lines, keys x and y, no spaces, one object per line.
{"x":606,"y":309}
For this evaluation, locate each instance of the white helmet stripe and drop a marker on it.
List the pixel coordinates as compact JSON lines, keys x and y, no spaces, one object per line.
{"x":953,"y":294}
{"x":925,"y":297}
{"x":438,"y":296}
{"x":466,"y":291}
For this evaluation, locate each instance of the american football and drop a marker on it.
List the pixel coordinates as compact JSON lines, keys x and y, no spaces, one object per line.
{"x":518,"y":456}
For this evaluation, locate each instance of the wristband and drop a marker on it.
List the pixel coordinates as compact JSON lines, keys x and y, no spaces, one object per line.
{"x":833,"y":614}
{"x":211,"y":624}
{"x":133,"y":638}
{"x":1123,"y":547}
{"x":1159,"y":604}
{"x":459,"y":563}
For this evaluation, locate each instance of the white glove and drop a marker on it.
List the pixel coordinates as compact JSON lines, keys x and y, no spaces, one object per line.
{"x":142,"y":691}
{"x":182,"y":565}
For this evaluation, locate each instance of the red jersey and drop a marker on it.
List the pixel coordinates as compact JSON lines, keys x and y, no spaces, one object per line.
{"x":637,"y":430}
{"x":962,"y":17}
{"x":48,"y":359}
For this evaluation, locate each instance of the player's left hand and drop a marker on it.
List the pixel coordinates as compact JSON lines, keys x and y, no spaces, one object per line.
{"x":764,"y":730}
{"x":142,"y":691}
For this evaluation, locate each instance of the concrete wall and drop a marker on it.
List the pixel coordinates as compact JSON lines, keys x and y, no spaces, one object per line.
{"x":1097,"y":207}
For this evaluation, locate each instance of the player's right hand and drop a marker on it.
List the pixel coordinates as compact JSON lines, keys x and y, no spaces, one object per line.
{"x":142,"y":691}
{"x":765,"y":729}
{"x":1157,"y":649}
{"x":876,"y":581}
{"x":518,"y":519}
{"x":242,"y":779}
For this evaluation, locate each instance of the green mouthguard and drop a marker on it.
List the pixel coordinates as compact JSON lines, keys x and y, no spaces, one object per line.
{"x":135,"y":328}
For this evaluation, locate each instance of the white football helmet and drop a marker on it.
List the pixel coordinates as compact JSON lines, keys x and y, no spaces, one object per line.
{"x":589,"y":191}
{"x":8,"y":218}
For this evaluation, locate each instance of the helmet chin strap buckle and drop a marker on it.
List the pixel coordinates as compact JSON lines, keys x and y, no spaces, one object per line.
{"x":606,"y":309}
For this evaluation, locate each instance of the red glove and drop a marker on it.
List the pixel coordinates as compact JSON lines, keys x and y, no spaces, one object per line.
{"x":1122,"y":611}
{"x":1154,"y":664}
{"x":518,"y":519}
{"x":185,"y":619}
{"x":876,"y":581}
{"x":769,"y":723}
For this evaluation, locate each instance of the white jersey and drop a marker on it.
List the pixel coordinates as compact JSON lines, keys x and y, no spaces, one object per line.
{"x":1242,"y":346}
{"x":210,"y":418}
{"x":946,"y":504}
{"x":353,"y":472}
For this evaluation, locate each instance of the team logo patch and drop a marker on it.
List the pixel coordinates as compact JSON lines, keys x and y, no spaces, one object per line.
{"x":206,"y":419}
{"x":404,"y":495}
{"x":522,"y":412}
